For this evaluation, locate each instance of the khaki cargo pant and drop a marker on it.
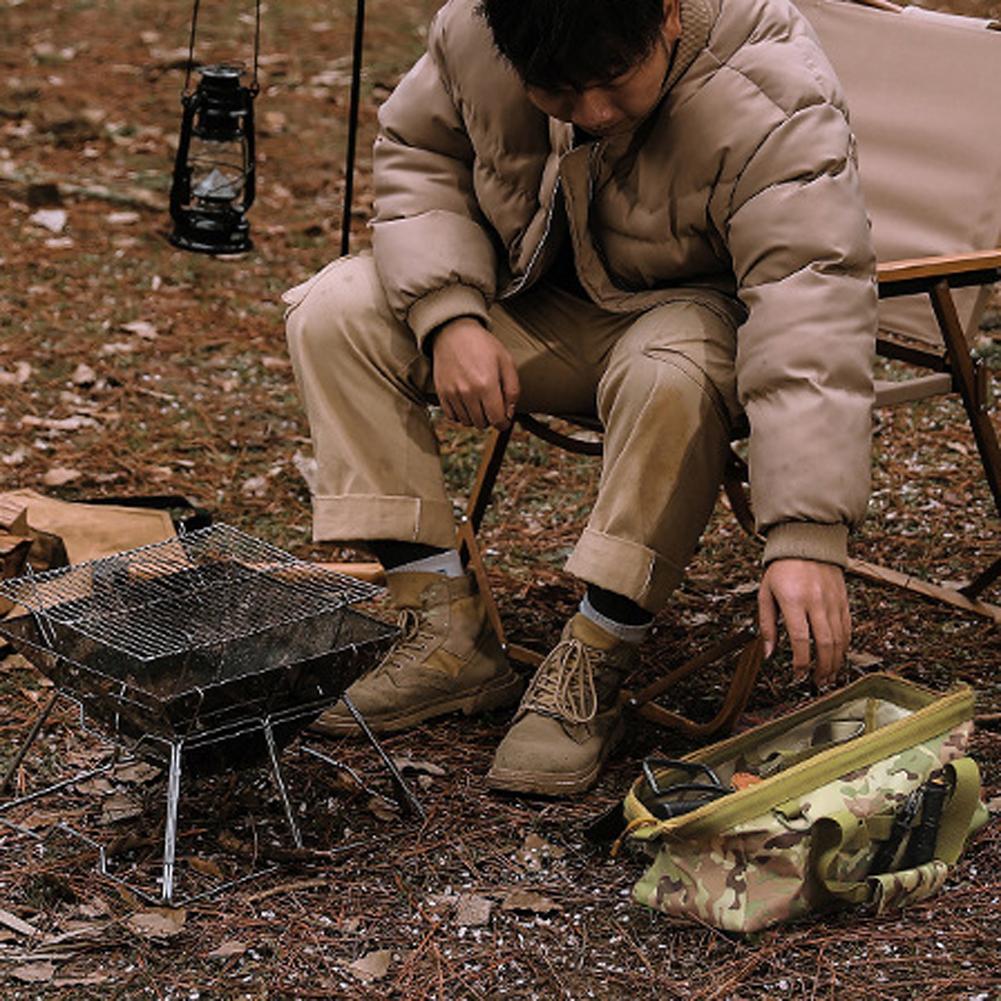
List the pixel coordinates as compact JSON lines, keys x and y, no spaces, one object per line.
{"x":661,"y":381}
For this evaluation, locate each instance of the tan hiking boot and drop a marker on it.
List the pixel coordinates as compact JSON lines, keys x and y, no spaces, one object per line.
{"x":446,"y":659}
{"x":569,"y":719}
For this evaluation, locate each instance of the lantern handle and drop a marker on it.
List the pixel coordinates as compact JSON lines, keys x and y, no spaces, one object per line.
{"x":255,"y":87}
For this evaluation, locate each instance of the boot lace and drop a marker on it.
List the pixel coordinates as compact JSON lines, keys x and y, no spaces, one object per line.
{"x":412,"y":639}
{"x":563,"y":685}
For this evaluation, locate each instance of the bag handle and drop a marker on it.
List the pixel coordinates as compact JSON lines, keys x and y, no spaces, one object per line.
{"x":843,"y":829}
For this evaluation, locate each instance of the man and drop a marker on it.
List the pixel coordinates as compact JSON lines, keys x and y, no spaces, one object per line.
{"x":647,"y":211}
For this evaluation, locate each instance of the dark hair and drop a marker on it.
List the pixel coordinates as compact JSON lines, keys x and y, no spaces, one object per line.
{"x":560,"y":43}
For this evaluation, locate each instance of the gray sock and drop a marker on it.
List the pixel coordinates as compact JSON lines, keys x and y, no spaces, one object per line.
{"x":629,"y":634}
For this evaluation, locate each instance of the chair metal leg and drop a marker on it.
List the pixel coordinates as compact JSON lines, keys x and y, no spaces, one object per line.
{"x":742,"y":684}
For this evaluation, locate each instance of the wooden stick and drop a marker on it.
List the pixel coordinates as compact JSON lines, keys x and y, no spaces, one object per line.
{"x":371,"y":572}
{"x":936,"y":592}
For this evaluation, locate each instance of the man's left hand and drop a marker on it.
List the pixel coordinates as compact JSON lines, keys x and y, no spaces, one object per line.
{"x":813,"y":601}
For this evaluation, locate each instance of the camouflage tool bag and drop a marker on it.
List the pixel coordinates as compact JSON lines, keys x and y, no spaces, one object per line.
{"x":863,"y":797}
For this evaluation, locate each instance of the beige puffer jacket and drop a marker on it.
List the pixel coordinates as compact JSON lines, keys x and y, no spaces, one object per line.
{"x":743,"y":180}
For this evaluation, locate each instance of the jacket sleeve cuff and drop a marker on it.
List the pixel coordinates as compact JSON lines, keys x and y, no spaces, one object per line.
{"x":805,"y":540}
{"x":444,"y":304}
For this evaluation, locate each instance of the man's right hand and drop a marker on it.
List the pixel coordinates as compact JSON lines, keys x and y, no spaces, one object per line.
{"x":474,"y":375}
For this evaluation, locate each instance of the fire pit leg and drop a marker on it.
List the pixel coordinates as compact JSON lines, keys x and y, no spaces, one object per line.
{"x":170,"y":824}
{"x":406,"y":800}
{"x":280,"y":782}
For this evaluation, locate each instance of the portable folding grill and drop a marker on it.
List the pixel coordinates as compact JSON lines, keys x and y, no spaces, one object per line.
{"x":206,"y":652}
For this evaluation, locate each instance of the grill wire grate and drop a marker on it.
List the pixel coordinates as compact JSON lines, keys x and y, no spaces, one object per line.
{"x":203,"y":589}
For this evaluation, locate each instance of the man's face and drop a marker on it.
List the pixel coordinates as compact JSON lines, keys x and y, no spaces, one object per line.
{"x":612,"y":107}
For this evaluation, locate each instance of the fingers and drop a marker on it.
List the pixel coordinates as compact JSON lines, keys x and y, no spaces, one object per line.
{"x":510,"y":386}
{"x":813,"y":602}
{"x":475,"y":378}
{"x":768,"y":620}
{"x":798,"y":628}
{"x":828,"y":649}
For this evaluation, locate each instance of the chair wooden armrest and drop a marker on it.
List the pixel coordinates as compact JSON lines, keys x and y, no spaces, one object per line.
{"x":919,"y":274}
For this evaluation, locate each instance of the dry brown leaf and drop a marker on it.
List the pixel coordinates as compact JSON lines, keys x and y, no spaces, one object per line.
{"x":372,"y":966}
{"x":54,"y":220}
{"x":206,"y":866}
{"x":859,"y":658}
{"x":34,"y":973}
{"x":87,"y":980}
{"x":14,"y":923}
{"x":256,"y":486}
{"x":82,"y":932}
{"x":227,"y":949}
{"x":136,"y":772}
{"x":96,"y":786}
{"x":160,"y":922}
{"x":117,"y":348}
{"x":83,"y":375}
{"x":528,"y":900}
{"x":96,"y":907}
{"x":20,"y":375}
{"x":405,"y":764}
{"x":48,"y":818}
{"x":141,"y":328}
{"x":59,"y":476}
{"x":473,"y":911}
{"x":119,"y":807}
{"x":382,"y":808}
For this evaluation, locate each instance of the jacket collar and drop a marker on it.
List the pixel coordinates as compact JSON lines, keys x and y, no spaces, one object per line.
{"x":697,"y":20}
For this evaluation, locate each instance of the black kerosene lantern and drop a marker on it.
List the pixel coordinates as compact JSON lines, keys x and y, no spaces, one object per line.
{"x":213,"y":184}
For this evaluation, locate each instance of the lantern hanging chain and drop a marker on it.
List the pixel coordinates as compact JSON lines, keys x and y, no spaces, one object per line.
{"x":254,"y":85}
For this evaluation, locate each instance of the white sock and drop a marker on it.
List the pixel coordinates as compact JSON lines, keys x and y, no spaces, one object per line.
{"x":620,"y":630}
{"x":446,"y":563}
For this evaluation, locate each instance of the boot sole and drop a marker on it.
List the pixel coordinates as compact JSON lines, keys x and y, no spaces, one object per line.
{"x":504,"y":692}
{"x":555,"y":783}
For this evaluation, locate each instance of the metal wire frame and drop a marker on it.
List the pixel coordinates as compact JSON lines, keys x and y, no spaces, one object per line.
{"x":201,"y":589}
{"x":174,"y":751}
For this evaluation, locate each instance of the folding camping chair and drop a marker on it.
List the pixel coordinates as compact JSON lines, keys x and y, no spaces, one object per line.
{"x":923,"y":90}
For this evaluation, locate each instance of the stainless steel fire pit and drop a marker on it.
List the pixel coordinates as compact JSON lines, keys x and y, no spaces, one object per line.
{"x":206,"y":652}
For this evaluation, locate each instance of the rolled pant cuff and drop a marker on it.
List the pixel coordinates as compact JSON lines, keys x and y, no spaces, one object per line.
{"x":364,"y":517}
{"x":625,"y":567}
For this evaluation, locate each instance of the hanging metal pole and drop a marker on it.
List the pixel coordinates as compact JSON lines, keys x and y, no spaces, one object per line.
{"x":349,"y":166}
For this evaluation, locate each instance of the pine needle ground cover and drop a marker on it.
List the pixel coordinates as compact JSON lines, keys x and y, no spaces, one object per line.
{"x":128,"y":367}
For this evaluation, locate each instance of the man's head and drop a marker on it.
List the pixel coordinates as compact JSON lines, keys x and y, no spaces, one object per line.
{"x":597,"y":63}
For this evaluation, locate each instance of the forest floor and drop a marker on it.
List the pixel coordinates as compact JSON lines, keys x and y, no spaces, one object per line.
{"x":129,"y":367}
